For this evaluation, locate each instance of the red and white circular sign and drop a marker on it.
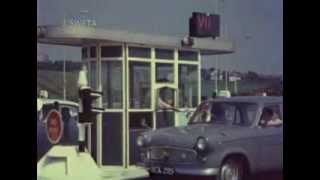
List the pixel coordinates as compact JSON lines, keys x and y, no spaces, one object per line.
{"x":54,"y":126}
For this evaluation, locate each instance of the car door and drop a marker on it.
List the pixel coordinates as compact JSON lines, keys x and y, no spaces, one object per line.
{"x":271,"y":141}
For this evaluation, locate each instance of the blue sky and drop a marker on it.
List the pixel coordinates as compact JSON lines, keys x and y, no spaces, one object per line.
{"x":256,"y":26}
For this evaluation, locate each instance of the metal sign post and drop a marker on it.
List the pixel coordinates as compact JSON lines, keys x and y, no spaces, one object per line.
{"x":87,"y":113}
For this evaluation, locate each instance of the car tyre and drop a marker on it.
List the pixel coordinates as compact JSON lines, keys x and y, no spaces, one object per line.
{"x":233,"y":169}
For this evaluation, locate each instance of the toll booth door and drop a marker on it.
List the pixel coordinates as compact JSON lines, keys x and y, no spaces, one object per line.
{"x":139,"y":122}
{"x":112,"y":138}
{"x":93,"y":139}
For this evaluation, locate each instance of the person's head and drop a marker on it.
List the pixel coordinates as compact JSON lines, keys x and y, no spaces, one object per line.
{"x":267,"y":114}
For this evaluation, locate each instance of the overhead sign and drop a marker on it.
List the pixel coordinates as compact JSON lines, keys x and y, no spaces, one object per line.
{"x":204,"y":25}
{"x":54,"y":126}
{"x":84,"y":19}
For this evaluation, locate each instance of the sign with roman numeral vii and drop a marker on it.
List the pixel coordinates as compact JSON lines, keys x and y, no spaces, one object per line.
{"x":204,"y":25}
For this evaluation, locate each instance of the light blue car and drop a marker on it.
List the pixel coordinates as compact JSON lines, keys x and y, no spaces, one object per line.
{"x":229,"y":138}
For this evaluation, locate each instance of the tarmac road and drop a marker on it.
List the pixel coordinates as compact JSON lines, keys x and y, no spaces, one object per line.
{"x":264,"y":176}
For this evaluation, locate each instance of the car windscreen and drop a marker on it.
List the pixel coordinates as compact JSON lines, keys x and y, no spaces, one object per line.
{"x":42,"y":114}
{"x":67,"y":112}
{"x":228,"y":113}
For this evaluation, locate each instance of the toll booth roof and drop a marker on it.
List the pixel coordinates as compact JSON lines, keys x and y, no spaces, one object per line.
{"x":79,"y":36}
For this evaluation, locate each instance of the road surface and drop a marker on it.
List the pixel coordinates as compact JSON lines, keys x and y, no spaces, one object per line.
{"x":265,"y":176}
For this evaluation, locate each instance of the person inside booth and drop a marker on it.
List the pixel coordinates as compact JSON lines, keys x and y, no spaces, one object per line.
{"x":166,"y":99}
{"x":165,"y":107}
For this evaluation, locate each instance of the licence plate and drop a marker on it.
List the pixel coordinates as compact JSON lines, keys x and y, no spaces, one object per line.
{"x":162,"y":170}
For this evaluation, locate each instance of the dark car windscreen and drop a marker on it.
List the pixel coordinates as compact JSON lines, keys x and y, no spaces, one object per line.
{"x":44,"y":112}
{"x":228,"y":113}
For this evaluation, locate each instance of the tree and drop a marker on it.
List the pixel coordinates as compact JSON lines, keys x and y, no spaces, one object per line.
{"x":252,"y":75}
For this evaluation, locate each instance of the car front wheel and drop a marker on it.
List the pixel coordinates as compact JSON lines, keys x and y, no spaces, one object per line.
{"x":232,"y":169}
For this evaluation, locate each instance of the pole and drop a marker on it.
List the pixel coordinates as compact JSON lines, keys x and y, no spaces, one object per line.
{"x":64,"y":78}
{"x":217,"y":76}
{"x":217,"y":57}
{"x":226,"y":80}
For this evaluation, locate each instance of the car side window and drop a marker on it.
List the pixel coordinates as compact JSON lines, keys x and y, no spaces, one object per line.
{"x":281,"y":110}
{"x":271,"y":116}
{"x":44,"y":111}
{"x":203,"y":114}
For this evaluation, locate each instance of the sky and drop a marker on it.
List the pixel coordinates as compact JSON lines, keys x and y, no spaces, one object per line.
{"x":255,"y":26}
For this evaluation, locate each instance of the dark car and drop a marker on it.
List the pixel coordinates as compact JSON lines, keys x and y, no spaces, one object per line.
{"x":69,"y":115}
{"x":230,"y":138}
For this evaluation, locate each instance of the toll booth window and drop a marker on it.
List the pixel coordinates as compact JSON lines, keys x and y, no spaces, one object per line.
{"x":188,"y":55}
{"x":140,"y":120}
{"x":111,"y":51}
{"x":93,"y":52}
{"x":140,"y":52}
{"x":188,"y":86}
{"x":164,"y":54}
{"x":140,"y":85}
{"x":112,"y":84}
{"x":84,"y":52}
{"x":164,"y":73}
{"x":93,"y":74}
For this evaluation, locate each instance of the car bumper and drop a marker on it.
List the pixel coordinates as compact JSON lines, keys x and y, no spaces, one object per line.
{"x":198,"y":171}
{"x":189,"y":170}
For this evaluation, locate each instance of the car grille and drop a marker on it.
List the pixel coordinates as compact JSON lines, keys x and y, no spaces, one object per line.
{"x":171,"y":154}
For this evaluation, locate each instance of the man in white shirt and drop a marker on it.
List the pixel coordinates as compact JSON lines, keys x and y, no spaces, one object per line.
{"x":269,"y":118}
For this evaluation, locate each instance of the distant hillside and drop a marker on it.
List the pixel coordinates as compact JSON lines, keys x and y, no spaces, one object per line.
{"x":52,"y":81}
{"x":245,"y":87}
{"x":58,"y":65}
{"x":50,"y":78}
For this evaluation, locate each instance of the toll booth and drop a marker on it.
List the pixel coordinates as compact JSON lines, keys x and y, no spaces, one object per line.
{"x":135,"y":71}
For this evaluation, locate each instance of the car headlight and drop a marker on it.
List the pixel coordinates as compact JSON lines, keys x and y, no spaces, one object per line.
{"x":140,"y":141}
{"x":201,"y":144}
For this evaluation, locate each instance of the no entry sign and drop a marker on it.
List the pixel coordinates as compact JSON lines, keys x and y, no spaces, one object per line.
{"x":54,"y":126}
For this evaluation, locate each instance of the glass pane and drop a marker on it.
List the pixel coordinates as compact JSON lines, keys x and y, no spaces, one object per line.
{"x":111,"y":51}
{"x":93,"y":74}
{"x":139,"y":52}
{"x":140,"y":120}
{"x":164,"y":54}
{"x":164,"y":72}
{"x":140,"y":85}
{"x":188,"y":85}
{"x":112,"y":84}
{"x":84,"y":53}
{"x":188,"y":55}
{"x":93,"y":52}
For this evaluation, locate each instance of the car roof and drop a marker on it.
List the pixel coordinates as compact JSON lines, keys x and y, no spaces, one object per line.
{"x":250,"y":99}
{"x":63,"y":102}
